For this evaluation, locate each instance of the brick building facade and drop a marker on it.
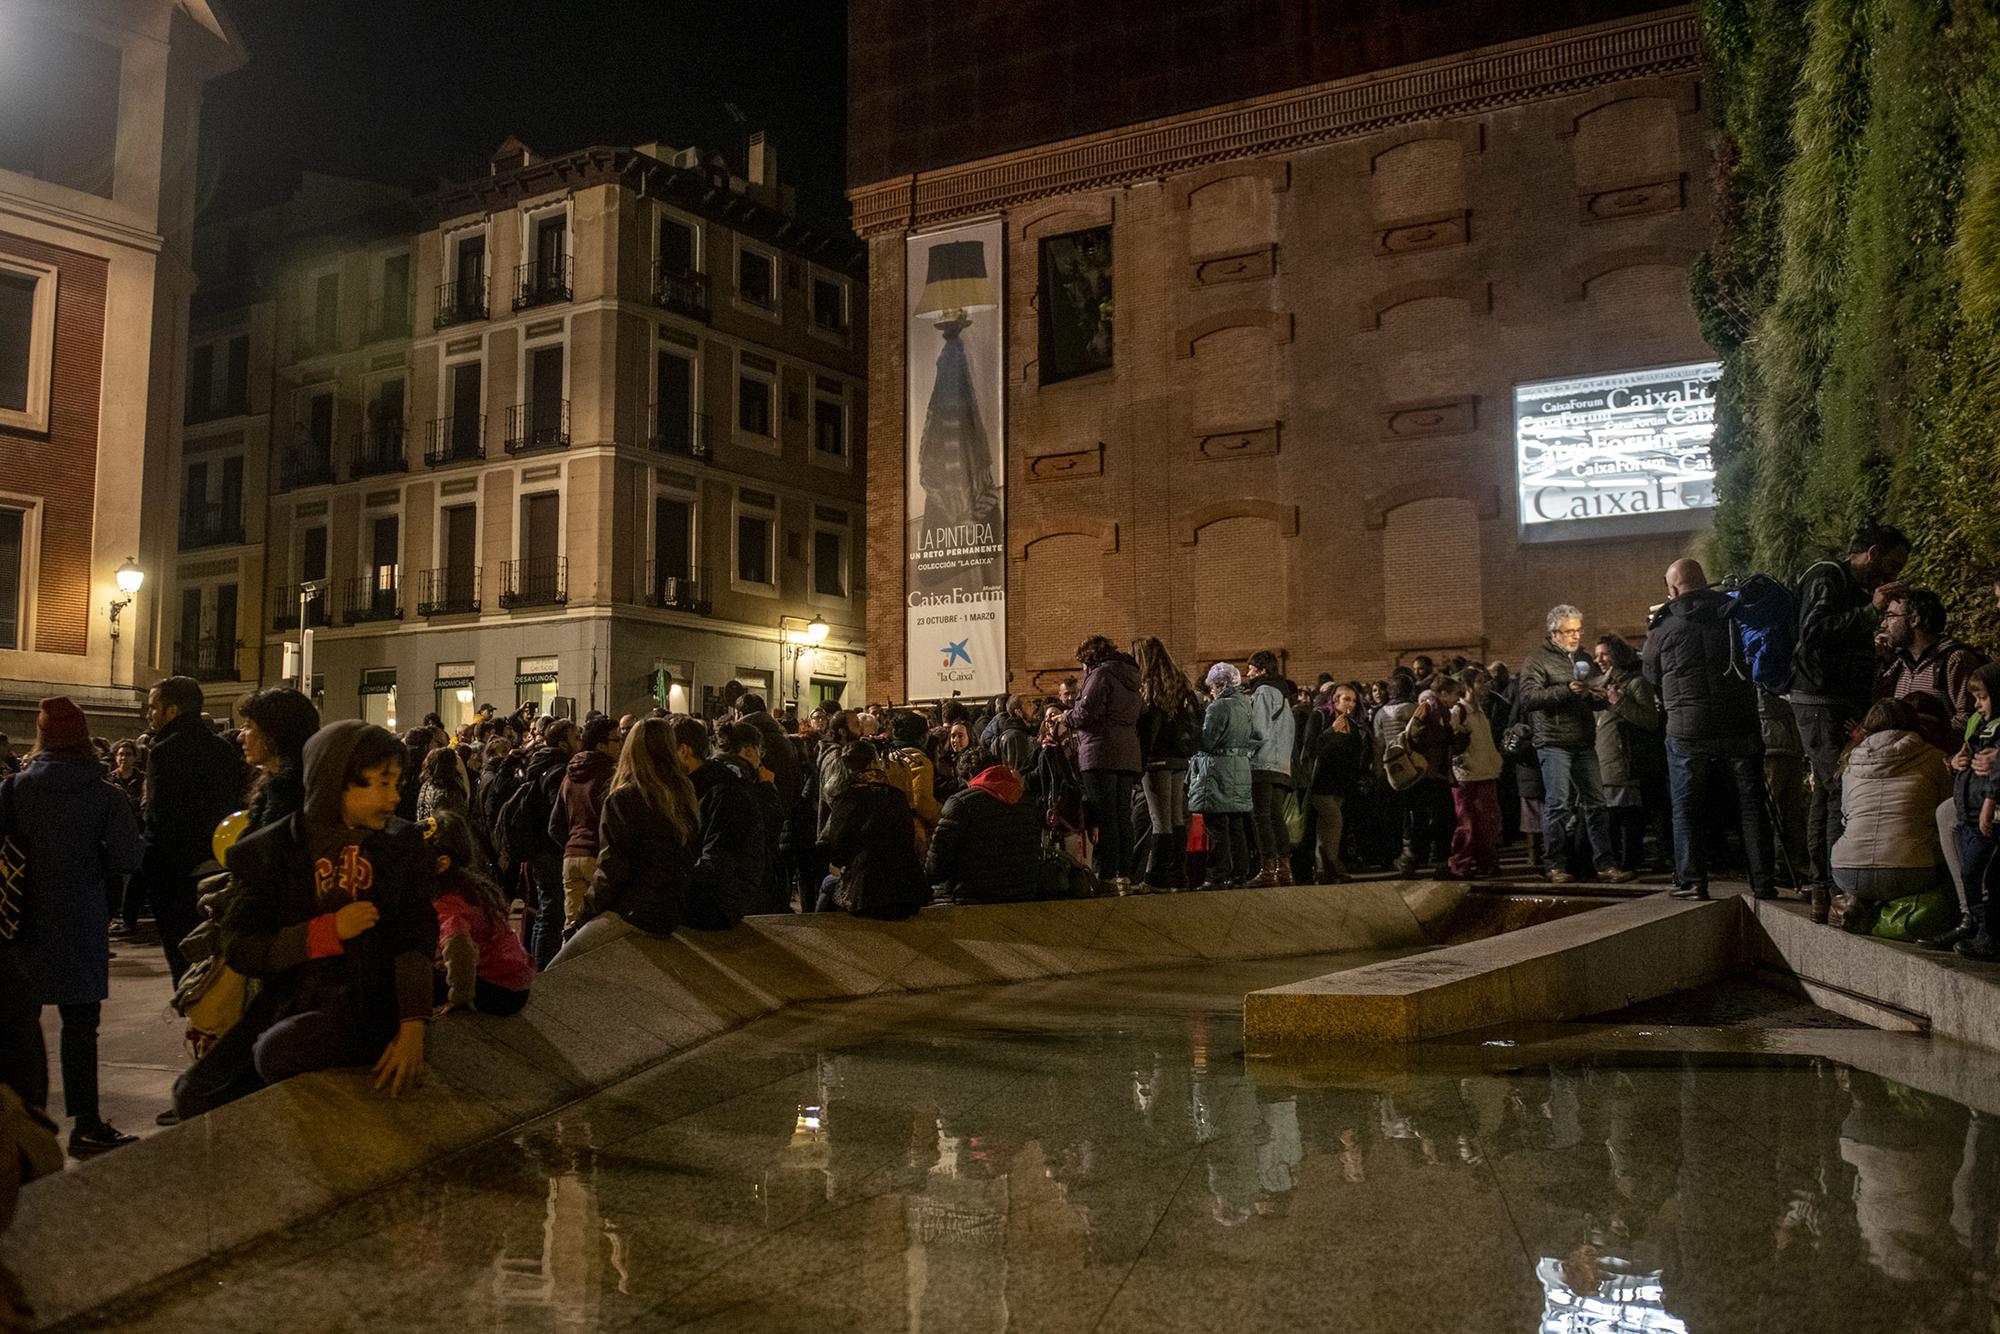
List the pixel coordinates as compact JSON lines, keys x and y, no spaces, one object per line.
{"x":1323,"y":298}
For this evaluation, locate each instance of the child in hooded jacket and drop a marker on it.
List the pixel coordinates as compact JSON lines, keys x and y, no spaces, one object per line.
{"x":481,"y":963}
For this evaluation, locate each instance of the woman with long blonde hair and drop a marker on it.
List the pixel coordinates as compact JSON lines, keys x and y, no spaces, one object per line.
{"x":650,"y":836}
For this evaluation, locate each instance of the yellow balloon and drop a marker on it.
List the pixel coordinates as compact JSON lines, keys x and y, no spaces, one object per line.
{"x":227,"y":833}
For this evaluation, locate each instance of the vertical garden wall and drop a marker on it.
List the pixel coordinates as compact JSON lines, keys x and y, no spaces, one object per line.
{"x":1852,"y":287}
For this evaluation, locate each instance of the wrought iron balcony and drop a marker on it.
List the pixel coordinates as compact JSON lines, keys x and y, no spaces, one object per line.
{"x":308,"y":466}
{"x":206,"y":524}
{"x":379,"y":450}
{"x":541,"y":281}
{"x":677,"y":587}
{"x":456,"y":439}
{"x":681,"y":433}
{"x":447,"y":592}
{"x":316,"y":335}
{"x":681,"y":292}
{"x":542,"y":582}
{"x":285,"y":608}
{"x":543,"y":424}
{"x":388,"y":318}
{"x":461,"y":300}
{"x":207,"y":660}
{"x":371,"y":598}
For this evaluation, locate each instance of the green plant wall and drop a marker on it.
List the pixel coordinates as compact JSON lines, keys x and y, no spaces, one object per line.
{"x":1852,"y":286}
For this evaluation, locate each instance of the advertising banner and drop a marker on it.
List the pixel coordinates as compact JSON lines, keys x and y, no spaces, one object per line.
{"x":955,"y":526}
{"x":1600,"y":455}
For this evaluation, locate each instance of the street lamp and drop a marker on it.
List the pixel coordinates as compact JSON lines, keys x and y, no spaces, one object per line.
{"x":795,"y":642}
{"x":130,"y":577}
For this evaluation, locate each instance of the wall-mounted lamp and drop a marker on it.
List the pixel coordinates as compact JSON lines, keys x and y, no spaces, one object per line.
{"x":130,"y":579}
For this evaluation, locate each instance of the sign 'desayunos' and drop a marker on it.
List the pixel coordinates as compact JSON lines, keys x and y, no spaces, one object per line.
{"x":1604,"y":455}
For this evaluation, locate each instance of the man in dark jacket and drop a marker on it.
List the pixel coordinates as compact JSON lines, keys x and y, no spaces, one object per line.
{"x":531,"y":853}
{"x":740,"y":748}
{"x":579,"y":805}
{"x":987,"y":844}
{"x":1554,"y":698}
{"x":729,"y":871}
{"x":1833,"y":668}
{"x":781,"y":757}
{"x":1711,"y":726}
{"x":1013,"y":735}
{"x":193,"y":779}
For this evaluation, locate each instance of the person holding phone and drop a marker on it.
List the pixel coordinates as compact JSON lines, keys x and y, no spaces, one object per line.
{"x":1556,"y":700}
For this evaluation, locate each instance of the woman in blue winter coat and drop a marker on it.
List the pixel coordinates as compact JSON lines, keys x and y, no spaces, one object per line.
{"x":1219,"y":778}
{"x":79,"y":834}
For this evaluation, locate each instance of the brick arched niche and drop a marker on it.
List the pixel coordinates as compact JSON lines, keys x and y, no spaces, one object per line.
{"x":1234,"y":367}
{"x":1239,"y":552}
{"x":1420,"y":177}
{"x":1432,"y":589}
{"x":1628,"y":140}
{"x":1059,"y":591}
{"x":1231,"y":206}
{"x":1610,"y":276}
{"x":1423,"y":336}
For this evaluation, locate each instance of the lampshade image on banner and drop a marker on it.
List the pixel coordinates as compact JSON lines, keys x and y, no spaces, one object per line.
{"x":955,"y":529}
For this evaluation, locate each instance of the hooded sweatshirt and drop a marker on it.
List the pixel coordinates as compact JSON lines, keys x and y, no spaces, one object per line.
{"x":987,"y":845}
{"x":585,"y":781}
{"x":293,"y":876}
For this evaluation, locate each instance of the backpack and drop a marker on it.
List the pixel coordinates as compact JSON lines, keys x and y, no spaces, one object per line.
{"x":911,"y":773}
{"x":1765,"y":626}
{"x":522,"y":831}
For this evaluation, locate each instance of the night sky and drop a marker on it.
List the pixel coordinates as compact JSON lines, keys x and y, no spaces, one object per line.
{"x":404,"y":90}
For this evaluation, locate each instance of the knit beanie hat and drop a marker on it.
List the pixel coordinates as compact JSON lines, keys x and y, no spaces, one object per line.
{"x":60,"y":725}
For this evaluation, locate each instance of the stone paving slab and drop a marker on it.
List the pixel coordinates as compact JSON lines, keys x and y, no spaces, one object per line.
{"x":1563,"y":969}
{"x":190,"y":1193}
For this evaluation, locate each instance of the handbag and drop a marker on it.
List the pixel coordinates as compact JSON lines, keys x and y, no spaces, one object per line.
{"x":13,"y":869}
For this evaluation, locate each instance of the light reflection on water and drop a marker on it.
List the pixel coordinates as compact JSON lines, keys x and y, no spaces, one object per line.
{"x":1670,"y":1197}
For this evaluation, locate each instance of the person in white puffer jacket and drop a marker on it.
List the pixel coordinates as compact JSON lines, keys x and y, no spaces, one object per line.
{"x":1892,"y":781}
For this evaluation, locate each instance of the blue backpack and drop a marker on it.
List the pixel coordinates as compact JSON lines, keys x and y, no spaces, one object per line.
{"x":1766,"y":624}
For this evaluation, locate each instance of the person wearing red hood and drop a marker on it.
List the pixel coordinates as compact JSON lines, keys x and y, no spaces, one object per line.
{"x":987,"y":844}
{"x":78,"y":832}
{"x":579,"y":805}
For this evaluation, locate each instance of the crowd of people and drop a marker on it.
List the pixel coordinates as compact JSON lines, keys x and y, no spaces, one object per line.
{"x":373,"y":883}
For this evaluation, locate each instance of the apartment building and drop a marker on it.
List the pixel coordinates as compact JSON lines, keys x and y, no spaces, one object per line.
{"x":584,"y":429}
{"x":99,"y":108}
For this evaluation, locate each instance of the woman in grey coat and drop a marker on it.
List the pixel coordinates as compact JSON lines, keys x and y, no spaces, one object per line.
{"x":1219,"y":778}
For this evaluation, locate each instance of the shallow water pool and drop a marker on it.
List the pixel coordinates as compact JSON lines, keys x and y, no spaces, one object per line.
{"x":1097,"y":1155}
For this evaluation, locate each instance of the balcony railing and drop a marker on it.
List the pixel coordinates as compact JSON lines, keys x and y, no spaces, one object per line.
{"x":371,"y":598}
{"x":234,"y":405}
{"x":207,"y":660}
{"x":447,"y":591}
{"x":682,"y":433}
{"x":677,"y":587}
{"x":285,"y":608}
{"x":210,"y":525}
{"x":388,"y":317}
{"x":456,"y":439}
{"x":310,"y":466}
{"x":542,"y":582}
{"x":541,"y":281}
{"x":461,"y":300}
{"x":543,"y":424}
{"x":315,"y":335}
{"x":683,"y":293}
{"x":380,"y":450}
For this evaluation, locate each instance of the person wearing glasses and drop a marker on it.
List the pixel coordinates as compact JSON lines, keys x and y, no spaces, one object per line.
{"x":1558,"y":700}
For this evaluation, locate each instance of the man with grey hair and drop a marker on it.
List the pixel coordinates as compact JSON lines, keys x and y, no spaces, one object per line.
{"x":1011,"y":734}
{"x":1561,"y":707}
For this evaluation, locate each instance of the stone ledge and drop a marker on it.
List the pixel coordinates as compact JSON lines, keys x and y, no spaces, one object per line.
{"x":181,"y":1198}
{"x":1565,"y":969}
{"x":1860,"y":976}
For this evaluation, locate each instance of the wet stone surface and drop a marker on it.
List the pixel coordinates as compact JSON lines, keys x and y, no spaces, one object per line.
{"x":1095,"y":1155}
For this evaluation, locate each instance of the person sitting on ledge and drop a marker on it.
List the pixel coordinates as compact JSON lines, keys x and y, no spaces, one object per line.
{"x":647,"y":842}
{"x":482,"y":964}
{"x":871,"y":840}
{"x":332,"y":914}
{"x":987,"y":845}
{"x":1891,"y":782}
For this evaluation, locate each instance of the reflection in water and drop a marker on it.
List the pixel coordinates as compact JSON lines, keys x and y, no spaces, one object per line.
{"x":960,"y":1181}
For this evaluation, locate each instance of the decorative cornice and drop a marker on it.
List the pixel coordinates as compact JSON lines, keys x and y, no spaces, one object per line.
{"x":1556,"y":65}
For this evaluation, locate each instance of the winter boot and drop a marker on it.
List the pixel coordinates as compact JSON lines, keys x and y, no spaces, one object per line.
{"x":1267,"y":873}
{"x":1944,"y":940}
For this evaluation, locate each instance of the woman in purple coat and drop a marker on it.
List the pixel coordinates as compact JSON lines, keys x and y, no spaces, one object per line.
{"x":78,"y":832}
{"x":1105,"y":722}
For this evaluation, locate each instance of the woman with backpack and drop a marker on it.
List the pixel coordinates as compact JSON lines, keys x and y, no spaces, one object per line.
{"x":871,"y":842}
{"x":1169,"y":733}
